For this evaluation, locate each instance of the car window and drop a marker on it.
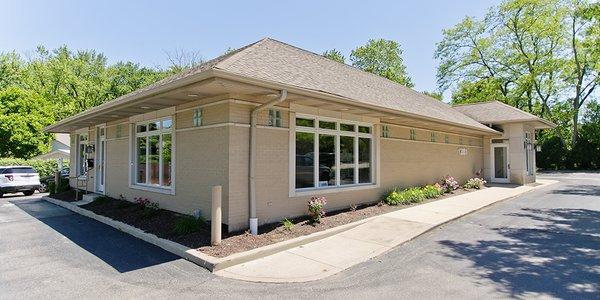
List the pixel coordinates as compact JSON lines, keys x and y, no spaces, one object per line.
{"x":19,"y":170}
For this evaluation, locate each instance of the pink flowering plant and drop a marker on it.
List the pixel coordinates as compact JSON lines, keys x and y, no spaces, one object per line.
{"x":316,"y":208}
{"x":449,"y":184}
{"x":142,"y":202}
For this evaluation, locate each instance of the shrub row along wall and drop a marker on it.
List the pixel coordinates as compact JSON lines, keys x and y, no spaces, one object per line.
{"x":44,"y":167}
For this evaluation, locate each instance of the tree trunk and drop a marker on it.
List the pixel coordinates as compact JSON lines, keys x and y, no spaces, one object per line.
{"x":575,"y":128}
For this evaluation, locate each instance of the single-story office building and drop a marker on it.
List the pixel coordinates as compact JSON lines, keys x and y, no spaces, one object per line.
{"x":274,"y":125}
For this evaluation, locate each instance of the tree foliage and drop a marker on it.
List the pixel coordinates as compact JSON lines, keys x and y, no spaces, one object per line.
{"x":53,"y":84}
{"x":336,"y":55}
{"x":537,"y":55}
{"x":384,"y":58}
{"x":23,"y":116}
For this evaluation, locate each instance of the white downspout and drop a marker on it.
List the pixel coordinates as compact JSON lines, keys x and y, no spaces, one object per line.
{"x":252,"y":180}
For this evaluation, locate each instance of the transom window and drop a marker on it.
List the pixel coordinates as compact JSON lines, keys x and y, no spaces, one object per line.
{"x":413,"y":134}
{"x":153,"y":153}
{"x":332,"y":153}
{"x":197,"y":118}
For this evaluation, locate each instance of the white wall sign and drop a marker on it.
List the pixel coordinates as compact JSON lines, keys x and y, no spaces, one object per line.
{"x":462,"y":151}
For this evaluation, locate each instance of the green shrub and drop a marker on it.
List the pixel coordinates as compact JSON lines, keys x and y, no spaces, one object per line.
{"x":407,"y":196}
{"x":63,"y":187}
{"x":432,"y":191}
{"x":43,"y":167}
{"x":287,"y":224}
{"x":414,"y":195}
{"x":186,"y":225}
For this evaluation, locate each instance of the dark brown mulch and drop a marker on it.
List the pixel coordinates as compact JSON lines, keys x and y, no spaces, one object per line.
{"x":162,"y":223}
{"x":67,"y":196}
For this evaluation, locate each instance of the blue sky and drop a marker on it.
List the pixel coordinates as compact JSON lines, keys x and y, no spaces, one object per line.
{"x":141,"y":31}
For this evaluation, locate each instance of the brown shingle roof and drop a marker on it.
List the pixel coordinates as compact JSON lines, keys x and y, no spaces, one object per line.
{"x":274,"y":61}
{"x":496,"y":112}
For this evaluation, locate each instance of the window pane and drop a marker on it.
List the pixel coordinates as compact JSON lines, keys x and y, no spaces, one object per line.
{"x":166,"y":160}
{"x":305,"y":122}
{"x":346,"y":127}
{"x":141,"y":128}
{"x":346,"y":160}
{"x":197,"y":117}
{"x":305,"y":170}
{"x":364,"y":160}
{"x":153,"y":160}
{"x":153,"y":126}
{"x":166,"y":124}
{"x":364,"y":129}
{"x":327,"y":125}
{"x":141,"y":160}
{"x":326,"y":160}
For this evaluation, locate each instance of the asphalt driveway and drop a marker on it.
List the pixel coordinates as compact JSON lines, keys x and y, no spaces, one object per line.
{"x":543,"y":244}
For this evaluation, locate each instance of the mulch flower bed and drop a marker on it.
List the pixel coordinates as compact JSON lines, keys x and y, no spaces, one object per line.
{"x":162,"y":224}
{"x":67,"y":196}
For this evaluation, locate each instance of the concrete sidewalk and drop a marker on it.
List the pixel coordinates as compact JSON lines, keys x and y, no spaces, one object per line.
{"x":334,"y":254}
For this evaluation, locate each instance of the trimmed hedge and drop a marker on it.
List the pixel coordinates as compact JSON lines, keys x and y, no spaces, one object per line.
{"x":44,"y":167}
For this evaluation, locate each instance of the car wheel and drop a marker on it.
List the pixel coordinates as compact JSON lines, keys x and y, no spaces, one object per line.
{"x":28,"y":193}
{"x":43,"y":187}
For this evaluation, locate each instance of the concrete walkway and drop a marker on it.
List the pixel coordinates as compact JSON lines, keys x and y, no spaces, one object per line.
{"x":334,"y":254}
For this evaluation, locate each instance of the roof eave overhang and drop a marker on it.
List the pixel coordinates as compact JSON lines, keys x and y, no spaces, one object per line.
{"x":127,"y":101}
{"x":538,"y":123}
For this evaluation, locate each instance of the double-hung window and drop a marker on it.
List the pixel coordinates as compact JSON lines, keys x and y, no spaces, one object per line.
{"x":332,"y":153}
{"x":153,"y":153}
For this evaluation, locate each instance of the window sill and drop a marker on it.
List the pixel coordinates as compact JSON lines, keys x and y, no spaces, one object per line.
{"x":331,"y":190}
{"x":154,"y":189}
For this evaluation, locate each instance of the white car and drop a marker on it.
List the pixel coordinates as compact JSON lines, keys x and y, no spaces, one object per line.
{"x":14,"y":179}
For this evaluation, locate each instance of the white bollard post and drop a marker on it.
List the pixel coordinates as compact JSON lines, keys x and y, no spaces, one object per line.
{"x":215,"y":220}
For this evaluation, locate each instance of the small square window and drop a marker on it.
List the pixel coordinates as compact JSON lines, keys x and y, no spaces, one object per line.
{"x":413,"y":134}
{"x":119,"y":131}
{"x":446,"y":139}
{"x":433,"y":136}
{"x":275,"y":119}
{"x":197,"y":118}
{"x":141,"y":128}
{"x":153,"y":126}
{"x":385,"y":131}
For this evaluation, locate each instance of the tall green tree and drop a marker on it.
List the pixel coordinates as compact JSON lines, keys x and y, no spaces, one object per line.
{"x":384,"y":58}
{"x":23,"y":116}
{"x":336,"y":55}
{"x":532,"y":54}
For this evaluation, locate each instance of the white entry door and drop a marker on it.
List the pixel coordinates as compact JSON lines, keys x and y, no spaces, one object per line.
{"x":500,"y":166}
{"x":101,"y":160}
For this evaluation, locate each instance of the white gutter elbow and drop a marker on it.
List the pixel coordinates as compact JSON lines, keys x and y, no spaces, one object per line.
{"x":253,"y":221}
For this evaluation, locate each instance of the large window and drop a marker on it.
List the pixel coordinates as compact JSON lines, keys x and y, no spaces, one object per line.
{"x":332,"y":153}
{"x":153,"y":153}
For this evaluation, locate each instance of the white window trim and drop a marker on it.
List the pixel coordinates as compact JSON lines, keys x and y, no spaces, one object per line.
{"x":81,"y":132}
{"x":294,"y":192}
{"x":529,"y":153}
{"x":133,"y":184}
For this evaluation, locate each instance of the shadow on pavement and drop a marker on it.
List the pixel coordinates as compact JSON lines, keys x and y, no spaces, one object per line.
{"x":560,"y":258}
{"x":582,"y":190}
{"x":119,"y":250}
